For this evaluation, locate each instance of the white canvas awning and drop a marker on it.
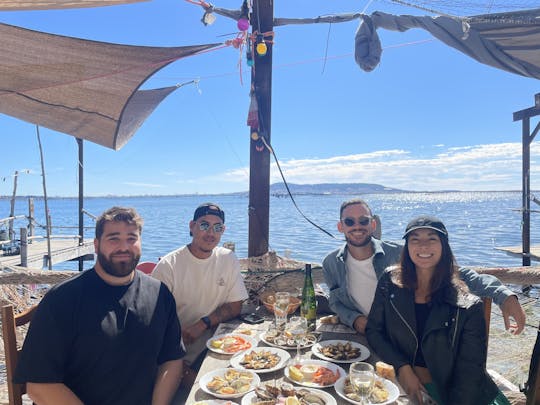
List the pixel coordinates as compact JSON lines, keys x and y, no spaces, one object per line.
{"x":508,"y":41}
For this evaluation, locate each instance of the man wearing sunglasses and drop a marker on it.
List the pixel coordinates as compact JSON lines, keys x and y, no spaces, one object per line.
{"x":352,"y":271}
{"x":206,"y":282}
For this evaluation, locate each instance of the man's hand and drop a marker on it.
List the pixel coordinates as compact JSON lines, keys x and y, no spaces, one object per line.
{"x":360,"y":324}
{"x":513,"y":314}
{"x":192,"y":333}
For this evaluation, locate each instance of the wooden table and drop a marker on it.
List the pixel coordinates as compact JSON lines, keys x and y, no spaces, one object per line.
{"x":213,"y":360}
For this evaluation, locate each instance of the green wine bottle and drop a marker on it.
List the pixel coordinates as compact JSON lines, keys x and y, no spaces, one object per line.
{"x":308,"y":308}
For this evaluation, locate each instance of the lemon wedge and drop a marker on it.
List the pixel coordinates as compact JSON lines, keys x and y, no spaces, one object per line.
{"x":216,"y":344}
{"x":292,"y":401}
{"x":295,"y":374}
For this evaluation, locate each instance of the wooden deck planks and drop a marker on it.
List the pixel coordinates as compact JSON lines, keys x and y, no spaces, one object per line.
{"x":518,"y":251}
{"x":62,"y":250}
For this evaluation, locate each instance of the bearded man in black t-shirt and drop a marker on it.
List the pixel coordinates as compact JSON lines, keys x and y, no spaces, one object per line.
{"x":109,"y":335}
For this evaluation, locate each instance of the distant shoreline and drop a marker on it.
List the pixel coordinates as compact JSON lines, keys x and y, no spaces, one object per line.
{"x":273,"y":194}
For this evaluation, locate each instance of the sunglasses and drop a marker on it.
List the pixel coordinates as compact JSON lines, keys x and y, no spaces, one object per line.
{"x":364,"y":221}
{"x":205,"y":226}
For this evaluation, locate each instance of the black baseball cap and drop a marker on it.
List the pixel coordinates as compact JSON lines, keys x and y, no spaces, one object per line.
{"x":423,"y":222}
{"x":209,"y":209}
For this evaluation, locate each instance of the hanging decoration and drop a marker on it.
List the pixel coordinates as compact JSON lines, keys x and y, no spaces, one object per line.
{"x":261,"y":46}
{"x":253,"y":113}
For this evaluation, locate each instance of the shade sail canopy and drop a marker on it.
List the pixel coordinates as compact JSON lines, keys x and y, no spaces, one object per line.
{"x":18,"y":5}
{"x":83,"y":88}
{"x":507,"y":41}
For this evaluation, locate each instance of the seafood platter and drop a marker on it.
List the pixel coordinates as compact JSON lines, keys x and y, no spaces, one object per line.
{"x":314,"y":373}
{"x":385,"y":391}
{"x":340,"y":351}
{"x":284,"y":394}
{"x":229,"y":383}
{"x":261,"y":359}
{"x":230,"y":343}
{"x":278,"y":338}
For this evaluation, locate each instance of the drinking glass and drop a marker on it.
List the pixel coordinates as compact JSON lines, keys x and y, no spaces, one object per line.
{"x":297,"y":329}
{"x":281,"y":306}
{"x":362,"y":376}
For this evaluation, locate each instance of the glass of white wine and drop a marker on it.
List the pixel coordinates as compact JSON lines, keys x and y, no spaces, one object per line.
{"x":297,"y":328}
{"x":281,"y":307}
{"x":362,"y":377}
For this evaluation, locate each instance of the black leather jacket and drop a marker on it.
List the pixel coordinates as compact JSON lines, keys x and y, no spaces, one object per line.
{"x":454,"y":341}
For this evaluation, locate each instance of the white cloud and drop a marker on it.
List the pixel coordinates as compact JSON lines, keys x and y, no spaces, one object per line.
{"x":475,"y":167}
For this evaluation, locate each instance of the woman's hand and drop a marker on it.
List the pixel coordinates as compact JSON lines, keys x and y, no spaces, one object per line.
{"x":411,"y":383}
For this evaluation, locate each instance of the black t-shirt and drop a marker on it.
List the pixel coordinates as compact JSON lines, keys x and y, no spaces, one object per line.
{"x":103,"y":342}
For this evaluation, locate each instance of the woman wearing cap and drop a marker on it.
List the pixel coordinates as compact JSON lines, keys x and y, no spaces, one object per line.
{"x":426,"y":324}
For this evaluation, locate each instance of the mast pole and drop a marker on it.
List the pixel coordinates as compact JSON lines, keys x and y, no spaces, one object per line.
{"x":262,"y":21}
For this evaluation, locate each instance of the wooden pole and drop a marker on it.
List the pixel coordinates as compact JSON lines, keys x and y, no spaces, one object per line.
{"x":11,"y":232}
{"x":30,"y":218}
{"x":47,"y":217}
{"x":262,"y":19}
{"x":526,"y":139}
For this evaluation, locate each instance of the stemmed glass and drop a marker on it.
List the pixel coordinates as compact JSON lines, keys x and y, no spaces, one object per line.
{"x":297,"y":329}
{"x":362,"y":376}
{"x":281,"y":307}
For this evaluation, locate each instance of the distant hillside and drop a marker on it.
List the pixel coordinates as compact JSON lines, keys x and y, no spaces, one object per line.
{"x":332,"y":188}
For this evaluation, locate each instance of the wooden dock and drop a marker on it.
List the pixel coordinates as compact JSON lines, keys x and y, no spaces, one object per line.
{"x":62,"y":250}
{"x":518,"y":251}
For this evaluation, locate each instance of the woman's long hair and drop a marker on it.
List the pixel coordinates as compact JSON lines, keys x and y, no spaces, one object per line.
{"x":445,"y":278}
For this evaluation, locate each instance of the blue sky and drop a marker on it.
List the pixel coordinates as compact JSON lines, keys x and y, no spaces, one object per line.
{"x":428,"y":118}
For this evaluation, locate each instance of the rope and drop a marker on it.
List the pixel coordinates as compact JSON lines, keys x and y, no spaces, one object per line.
{"x":290,"y":194}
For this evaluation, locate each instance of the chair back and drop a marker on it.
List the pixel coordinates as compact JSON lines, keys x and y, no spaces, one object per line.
{"x":10,"y":322}
{"x":487,"y":315}
{"x":146,"y":267}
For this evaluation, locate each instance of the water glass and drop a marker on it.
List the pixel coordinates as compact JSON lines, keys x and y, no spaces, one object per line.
{"x":297,"y":329}
{"x":281,"y":306}
{"x":362,"y":377}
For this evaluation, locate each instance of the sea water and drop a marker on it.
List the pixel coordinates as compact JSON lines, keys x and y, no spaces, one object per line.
{"x":478,"y":222}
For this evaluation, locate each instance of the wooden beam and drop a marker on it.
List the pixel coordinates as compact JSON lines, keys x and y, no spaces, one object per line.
{"x":262,"y":20}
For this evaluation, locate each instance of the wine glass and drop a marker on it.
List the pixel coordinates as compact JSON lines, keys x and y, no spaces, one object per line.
{"x":297,"y":329}
{"x":281,"y":307}
{"x":362,"y":377}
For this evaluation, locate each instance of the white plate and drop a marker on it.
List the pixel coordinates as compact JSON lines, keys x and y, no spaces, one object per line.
{"x":392,"y":389}
{"x":263,"y":338}
{"x":205,"y":379}
{"x":309,"y":383}
{"x":247,"y":338}
{"x":316,"y":349}
{"x":329,"y":399}
{"x":215,"y":402}
{"x":284,"y":357}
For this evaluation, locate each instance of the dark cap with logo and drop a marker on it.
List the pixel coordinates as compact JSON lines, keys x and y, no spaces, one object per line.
{"x":425,"y":222}
{"x":209,"y":209}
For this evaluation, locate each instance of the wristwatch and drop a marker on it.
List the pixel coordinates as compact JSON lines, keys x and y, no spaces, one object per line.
{"x":207,"y":322}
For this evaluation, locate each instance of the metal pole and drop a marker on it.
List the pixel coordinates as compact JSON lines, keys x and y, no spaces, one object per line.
{"x":81,"y":200}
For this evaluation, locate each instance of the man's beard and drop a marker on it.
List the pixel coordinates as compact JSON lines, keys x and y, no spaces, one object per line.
{"x":365,"y":242}
{"x":117,"y":269}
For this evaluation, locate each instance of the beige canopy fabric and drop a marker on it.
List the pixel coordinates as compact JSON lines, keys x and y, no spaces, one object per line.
{"x":18,"y":5}
{"x":83,"y":88}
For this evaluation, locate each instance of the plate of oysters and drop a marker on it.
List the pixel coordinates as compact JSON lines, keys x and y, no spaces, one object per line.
{"x":340,"y":351}
{"x":384,"y":392}
{"x":278,"y":338}
{"x":229,"y":383}
{"x":261,"y":359}
{"x":275,"y":395}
